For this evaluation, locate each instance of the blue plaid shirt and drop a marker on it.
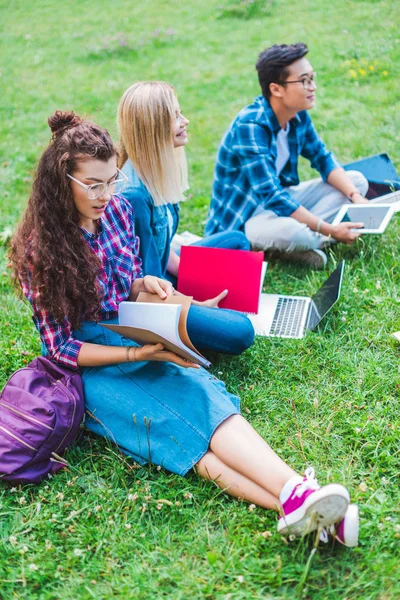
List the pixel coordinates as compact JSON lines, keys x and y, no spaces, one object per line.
{"x":245,"y":175}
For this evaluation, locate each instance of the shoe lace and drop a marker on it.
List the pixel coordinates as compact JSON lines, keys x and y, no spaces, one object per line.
{"x":326,"y":534}
{"x":309,"y":482}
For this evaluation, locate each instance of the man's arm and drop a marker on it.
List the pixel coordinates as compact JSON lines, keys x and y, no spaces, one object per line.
{"x":343,"y":232}
{"x":339,"y":179}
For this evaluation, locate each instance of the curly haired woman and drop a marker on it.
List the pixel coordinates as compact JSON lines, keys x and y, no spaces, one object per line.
{"x":76,"y":256}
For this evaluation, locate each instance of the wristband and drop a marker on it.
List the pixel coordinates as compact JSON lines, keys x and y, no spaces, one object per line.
{"x":128,"y":348}
{"x":350,"y":196}
{"x":320,"y":222}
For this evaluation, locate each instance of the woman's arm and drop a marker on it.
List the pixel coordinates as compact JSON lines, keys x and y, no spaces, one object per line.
{"x":173,"y":263}
{"x":96,"y":355}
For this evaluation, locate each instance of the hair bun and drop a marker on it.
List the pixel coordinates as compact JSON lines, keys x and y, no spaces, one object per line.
{"x":62,"y":120}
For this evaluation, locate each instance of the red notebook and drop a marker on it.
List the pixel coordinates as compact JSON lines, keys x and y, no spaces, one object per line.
{"x":206,"y":272}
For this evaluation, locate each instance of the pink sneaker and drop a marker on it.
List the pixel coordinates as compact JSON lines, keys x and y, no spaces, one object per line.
{"x":346,"y":531}
{"x":306,"y":506}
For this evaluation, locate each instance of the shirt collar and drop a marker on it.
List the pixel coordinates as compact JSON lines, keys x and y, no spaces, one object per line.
{"x":88,"y":235}
{"x":270,"y":117}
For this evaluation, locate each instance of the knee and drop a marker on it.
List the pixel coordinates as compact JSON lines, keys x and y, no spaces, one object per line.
{"x":359,"y":180}
{"x":244,"y":336}
{"x":242,"y":241}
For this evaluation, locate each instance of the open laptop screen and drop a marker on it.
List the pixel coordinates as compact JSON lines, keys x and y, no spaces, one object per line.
{"x":326,"y":297}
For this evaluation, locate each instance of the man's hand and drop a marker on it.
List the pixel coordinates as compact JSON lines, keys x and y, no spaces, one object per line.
{"x":344,"y":232}
{"x":358,"y":198}
{"x":156,"y":352}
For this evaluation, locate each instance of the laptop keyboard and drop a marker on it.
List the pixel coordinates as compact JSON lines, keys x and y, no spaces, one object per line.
{"x":287,"y":317}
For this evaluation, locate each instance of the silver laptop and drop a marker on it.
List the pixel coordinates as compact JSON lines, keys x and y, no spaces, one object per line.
{"x":293,"y":316}
{"x":392,"y":198}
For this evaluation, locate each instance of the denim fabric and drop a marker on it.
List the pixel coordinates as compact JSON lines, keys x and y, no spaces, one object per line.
{"x":155,"y":412}
{"x":151,"y":224}
{"x":219,"y":329}
{"x":235,"y":240}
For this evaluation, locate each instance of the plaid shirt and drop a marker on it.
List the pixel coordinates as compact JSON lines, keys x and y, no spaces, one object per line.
{"x":117,"y":247}
{"x":245,"y":175}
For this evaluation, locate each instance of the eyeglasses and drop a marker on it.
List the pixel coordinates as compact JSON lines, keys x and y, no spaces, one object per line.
{"x":308,"y":82}
{"x":95,"y":190}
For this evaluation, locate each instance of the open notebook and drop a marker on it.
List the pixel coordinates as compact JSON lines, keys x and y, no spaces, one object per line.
{"x":205,"y":272}
{"x":151,"y":320}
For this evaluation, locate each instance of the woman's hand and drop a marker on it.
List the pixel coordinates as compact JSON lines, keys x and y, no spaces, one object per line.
{"x":212,"y":302}
{"x":153,"y":285}
{"x":157,"y":353}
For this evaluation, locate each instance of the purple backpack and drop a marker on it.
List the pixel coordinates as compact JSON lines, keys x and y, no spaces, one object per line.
{"x":41,"y":409}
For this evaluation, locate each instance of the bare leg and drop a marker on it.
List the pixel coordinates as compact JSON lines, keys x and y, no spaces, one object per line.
{"x":240,"y":447}
{"x":233,"y":483}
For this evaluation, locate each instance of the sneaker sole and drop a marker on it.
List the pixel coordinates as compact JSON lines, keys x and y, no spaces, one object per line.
{"x":321,"y":509}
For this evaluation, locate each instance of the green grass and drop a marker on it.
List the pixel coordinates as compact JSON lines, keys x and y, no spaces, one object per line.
{"x":330,"y":400}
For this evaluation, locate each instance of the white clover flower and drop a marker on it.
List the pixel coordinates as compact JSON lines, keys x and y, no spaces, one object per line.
{"x":60,"y":496}
{"x":78,"y":552}
{"x":33,"y":567}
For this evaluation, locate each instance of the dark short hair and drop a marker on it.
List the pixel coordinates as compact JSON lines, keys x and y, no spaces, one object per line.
{"x":272,"y":65}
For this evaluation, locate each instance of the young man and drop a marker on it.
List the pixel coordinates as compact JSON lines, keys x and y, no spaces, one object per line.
{"x":256,"y":186}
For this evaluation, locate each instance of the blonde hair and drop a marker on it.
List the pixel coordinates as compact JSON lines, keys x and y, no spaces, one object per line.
{"x":146,"y":114}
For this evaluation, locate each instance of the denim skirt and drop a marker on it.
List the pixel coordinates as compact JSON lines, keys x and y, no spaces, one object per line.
{"x":155,"y":412}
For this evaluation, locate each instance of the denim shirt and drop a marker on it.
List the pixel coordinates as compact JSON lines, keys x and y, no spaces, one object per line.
{"x":151,"y":224}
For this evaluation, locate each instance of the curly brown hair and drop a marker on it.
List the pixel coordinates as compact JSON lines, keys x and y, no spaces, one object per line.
{"x":48,"y":248}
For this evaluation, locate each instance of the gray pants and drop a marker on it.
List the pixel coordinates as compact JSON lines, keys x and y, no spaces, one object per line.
{"x":267,"y":230}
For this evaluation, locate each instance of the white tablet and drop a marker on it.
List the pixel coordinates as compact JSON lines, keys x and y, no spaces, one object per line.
{"x":375,"y":217}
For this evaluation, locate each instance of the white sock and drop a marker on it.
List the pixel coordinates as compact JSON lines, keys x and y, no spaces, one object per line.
{"x":288,"y":487}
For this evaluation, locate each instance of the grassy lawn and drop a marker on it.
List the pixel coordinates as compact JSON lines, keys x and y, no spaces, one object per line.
{"x":106,"y":528}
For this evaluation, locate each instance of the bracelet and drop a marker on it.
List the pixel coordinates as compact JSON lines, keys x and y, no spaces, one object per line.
{"x":350,"y":196}
{"x":320,"y":222}
{"x":128,"y":348}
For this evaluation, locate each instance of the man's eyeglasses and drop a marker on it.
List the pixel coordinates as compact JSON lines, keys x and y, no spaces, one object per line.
{"x":95,"y":190}
{"x":308,"y":82}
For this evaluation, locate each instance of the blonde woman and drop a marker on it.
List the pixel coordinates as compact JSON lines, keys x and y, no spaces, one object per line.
{"x":152,"y":140}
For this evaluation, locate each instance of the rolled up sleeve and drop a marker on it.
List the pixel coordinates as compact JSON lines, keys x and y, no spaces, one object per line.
{"x":57,"y":338}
